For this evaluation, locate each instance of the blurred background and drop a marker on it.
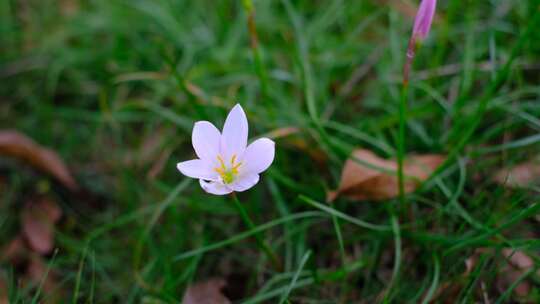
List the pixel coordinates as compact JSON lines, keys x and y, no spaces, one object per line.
{"x":97,"y":103}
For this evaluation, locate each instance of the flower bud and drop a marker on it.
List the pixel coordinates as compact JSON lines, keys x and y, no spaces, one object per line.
{"x":423,"y":20}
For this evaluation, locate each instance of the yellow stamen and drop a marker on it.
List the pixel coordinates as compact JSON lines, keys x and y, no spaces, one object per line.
{"x":227,"y":174}
{"x":219,"y":171}
{"x":221,"y":161}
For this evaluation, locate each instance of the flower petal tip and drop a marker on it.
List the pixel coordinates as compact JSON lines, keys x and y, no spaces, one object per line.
{"x":424,"y":18}
{"x":237,"y":107}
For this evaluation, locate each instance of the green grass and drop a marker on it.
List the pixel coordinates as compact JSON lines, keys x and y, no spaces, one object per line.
{"x":96,"y":84}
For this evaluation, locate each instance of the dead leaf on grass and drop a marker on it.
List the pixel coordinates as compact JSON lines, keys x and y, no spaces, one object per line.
{"x":519,"y":264}
{"x":366,"y":176}
{"x":520,"y":176}
{"x":38,"y":219}
{"x":207,"y":292}
{"x":17,"y":145}
{"x":39,"y":274}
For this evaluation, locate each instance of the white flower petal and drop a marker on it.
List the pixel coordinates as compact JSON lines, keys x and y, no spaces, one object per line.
{"x":206,"y":140}
{"x":197,"y":168}
{"x":235,"y":133}
{"x":216,"y":188}
{"x":258,"y":156}
{"x":244,"y":182}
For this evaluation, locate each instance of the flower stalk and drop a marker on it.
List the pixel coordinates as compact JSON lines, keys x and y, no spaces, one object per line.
{"x":260,"y":242}
{"x":421,"y":29}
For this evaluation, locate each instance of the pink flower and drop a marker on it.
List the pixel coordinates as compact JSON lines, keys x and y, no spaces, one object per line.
{"x":424,"y":18}
{"x":226,"y":163}
{"x":422,"y":26}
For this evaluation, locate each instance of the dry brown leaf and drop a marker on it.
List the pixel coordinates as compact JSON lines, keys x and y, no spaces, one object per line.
{"x":520,"y":176}
{"x":520,"y":263}
{"x":38,"y":219}
{"x":38,"y":273}
{"x":366,"y":176}
{"x":207,"y":292}
{"x":518,"y":259}
{"x":19,"y":146}
{"x":508,"y":277}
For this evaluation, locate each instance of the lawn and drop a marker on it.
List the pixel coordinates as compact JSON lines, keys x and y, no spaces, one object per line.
{"x":98,"y":100}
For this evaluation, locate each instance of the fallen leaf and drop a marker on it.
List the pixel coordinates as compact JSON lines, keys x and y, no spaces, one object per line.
{"x":518,"y":259}
{"x":19,"y":146}
{"x":519,"y":264}
{"x":38,"y":219}
{"x":520,"y":176}
{"x":510,"y":276}
{"x":366,"y":176}
{"x":207,"y":292}
{"x":39,"y":274}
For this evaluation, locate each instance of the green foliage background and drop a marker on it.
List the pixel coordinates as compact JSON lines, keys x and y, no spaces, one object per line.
{"x":114,"y":86}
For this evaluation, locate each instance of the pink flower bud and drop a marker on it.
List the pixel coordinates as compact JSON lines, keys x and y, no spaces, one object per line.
{"x":422,"y":26}
{"x":424,"y":18}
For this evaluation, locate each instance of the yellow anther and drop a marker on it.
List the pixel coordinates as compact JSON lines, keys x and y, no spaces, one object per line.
{"x":227,"y":174}
{"x":219,"y":171}
{"x":221,"y":162}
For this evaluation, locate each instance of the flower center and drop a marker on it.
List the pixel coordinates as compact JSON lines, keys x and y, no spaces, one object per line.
{"x":228,"y":173}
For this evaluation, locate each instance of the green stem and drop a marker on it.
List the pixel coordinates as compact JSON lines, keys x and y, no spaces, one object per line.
{"x":411,"y":51}
{"x":401,"y":143}
{"x":260,"y":242}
